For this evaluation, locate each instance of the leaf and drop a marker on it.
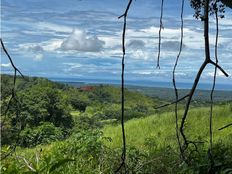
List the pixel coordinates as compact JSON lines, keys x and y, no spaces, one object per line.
{"x":59,"y":163}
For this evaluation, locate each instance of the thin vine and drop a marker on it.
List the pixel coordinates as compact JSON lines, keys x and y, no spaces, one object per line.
{"x":212,"y":91}
{"x":173,"y":76}
{"x":160,"y":29}
{"x":123,"y":157}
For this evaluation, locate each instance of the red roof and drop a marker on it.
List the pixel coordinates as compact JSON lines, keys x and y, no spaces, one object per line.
{"x":86,"y":88}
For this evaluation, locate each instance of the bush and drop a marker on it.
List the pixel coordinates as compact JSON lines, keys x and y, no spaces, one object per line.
{"x":43,"y":134}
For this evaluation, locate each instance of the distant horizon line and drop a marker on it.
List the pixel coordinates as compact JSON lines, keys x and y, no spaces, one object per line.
{"x":142,"y":83}
{"x":138,"y":82}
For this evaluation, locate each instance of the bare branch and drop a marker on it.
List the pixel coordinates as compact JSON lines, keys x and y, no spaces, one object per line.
{"x":174,"y":102}
{"x":226,"y":126}
{"x":219,"y":67}
{"x":10,"y":59}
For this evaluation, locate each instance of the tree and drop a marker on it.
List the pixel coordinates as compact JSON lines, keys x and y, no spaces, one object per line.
{"x":37,"y":105}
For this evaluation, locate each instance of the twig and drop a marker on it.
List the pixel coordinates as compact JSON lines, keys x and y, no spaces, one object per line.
{"x":220,"y":68}
{"x":161,"y":27}
{"x":27,"y":164}
{"x":174,"y":102}
{"x":123,"y":157}
{"x":226,"y":126}
{"x":15,"y":76}
{"x":9,"y":57}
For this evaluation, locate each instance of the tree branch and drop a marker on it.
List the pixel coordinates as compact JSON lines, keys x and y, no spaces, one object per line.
{"x":10,"y":59}
{"x":174,"y":102}
{"x":226,"y":126}
{"x":219,"y":67}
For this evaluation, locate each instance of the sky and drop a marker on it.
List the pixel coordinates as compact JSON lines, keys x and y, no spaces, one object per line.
{"x":82,"y":39}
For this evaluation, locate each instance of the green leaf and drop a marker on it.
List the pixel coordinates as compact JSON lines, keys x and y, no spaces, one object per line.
{"x":59,"y":163}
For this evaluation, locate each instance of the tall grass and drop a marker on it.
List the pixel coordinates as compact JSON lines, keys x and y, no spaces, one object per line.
{"x":161,"y":128}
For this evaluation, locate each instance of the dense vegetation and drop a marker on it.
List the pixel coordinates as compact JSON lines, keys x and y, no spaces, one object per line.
{"x":65,"y":129}
{"x":42,"y":106}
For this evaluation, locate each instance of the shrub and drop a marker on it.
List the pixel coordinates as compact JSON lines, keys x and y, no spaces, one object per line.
{"x":43,"y":134}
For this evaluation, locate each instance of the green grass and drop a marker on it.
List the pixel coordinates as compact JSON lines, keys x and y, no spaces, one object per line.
{"x":161,"y":128}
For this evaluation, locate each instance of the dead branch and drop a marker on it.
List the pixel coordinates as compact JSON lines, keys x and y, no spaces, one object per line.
{"x":226,"y":126}
{"x":174,"y":102}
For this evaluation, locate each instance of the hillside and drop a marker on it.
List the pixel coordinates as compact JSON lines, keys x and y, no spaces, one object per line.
{"x":162,"y":93}
{"x":160,"y":128}
{"x":57,"y":128}
{"x":151,"y":148}
{"x":40,"y":103}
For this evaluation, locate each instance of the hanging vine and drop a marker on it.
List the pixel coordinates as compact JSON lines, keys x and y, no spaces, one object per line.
{"x":160,"y":29}
{"x":173,"y":76}
{"x":123,"y":157}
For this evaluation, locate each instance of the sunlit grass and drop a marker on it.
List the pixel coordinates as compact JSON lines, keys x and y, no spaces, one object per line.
{"x":161,"y":128}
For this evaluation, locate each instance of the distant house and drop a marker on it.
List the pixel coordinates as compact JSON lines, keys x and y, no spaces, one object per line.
{"x":86,"y":88}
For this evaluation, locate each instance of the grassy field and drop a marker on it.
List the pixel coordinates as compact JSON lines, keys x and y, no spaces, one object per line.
{"x":161,"y":128}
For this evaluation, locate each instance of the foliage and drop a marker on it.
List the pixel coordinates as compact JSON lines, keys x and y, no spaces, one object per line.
{"x":215,"y":6}
{"x":38,"y":100}
{"x":152,"y":148}
{"x":42,"y":134}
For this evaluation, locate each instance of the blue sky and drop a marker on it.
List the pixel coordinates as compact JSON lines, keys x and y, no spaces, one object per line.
{"x":82,"y":39}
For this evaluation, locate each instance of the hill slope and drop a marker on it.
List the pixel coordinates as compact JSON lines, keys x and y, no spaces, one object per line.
{"x":161,"y":128}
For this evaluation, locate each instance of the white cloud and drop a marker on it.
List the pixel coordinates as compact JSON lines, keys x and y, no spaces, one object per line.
{"x":38,"y":57}
{"x":140,"y":54}
{"x":6,"y":65}
{"x":80,"y":41}
{"x":110,"y":40}
{"x":49,"y":46}
{"x":46,"y":26}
